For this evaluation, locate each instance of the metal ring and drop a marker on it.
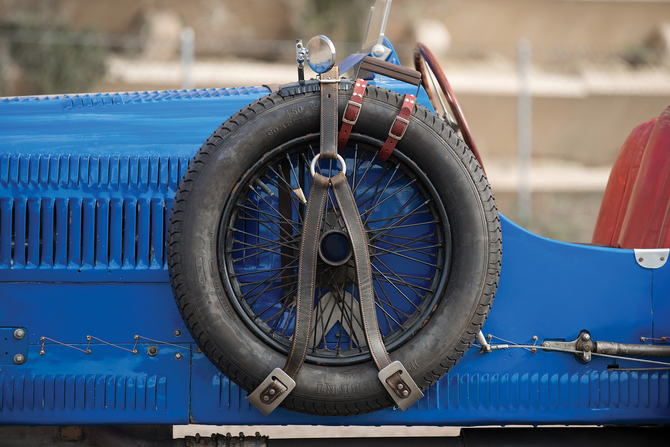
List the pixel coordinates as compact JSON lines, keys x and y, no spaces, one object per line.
{"x":312,"y":165}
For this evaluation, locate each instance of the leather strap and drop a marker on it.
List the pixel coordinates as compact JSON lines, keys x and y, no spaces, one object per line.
{"x":351,"y":113}
{"x":329,"y":87}
{"x":359,"y":243}
{"x":307,"y":275}
{"x":398,"y":127}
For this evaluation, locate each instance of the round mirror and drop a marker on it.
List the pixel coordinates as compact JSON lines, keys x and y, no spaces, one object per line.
{"x":320,"y":54}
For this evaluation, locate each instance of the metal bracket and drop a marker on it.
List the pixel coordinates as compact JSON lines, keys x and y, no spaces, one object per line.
{"x":651,"y":258}
{"x":413,"y":393}
{"x":256,"y":398}
{"x":583,"y":344}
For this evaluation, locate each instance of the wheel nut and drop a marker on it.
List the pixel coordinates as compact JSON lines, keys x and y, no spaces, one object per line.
{"x":19,"y":334}
{"x":178,"y":356}
{"x":19,"y":359}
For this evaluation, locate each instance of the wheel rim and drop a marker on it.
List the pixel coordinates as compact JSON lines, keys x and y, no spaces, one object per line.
{"x":409,"y":240}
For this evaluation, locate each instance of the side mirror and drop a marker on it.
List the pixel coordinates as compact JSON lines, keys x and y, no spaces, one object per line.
{"x":320,"y":54}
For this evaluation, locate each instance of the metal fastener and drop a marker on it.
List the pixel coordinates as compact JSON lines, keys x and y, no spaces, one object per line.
{"x":400,"y":386}
{"x":534,"y":350}
{"x":19,"y":359}
{"x":178,"y":356}
{"x":640,"y":259}
{"x":266,"y":398}
{"x":586,"y":337}
{"x":177,"y":333}
{"x":534,"y":337}
{"x":19,"y":334}
{"x":643,"y":339}
{"x":662,"y":258}
{"x":272,"y":391}
{"x":405,"y":393}
{"x":152,"y":351}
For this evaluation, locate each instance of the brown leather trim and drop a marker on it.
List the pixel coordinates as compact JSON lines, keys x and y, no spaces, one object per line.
{"x":394,"y":71}
{"x":351,"y":113}
{"x":398,"y":128}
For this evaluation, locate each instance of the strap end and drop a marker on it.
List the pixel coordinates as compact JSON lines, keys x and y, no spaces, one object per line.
{"x":400,"y":385}
{"x":272,"y":391}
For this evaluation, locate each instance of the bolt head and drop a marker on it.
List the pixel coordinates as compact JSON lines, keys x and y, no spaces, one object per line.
{"x":272,"y":391}
{"x":19,"y":334}
{"x":405,"y":393}
{"x":19,"y":359}
{"x":586,"y":337}
{"x":177,"y":333}
{"x":400,"y":386}
{"x":266,"y":398}
{"x":178,"y":356}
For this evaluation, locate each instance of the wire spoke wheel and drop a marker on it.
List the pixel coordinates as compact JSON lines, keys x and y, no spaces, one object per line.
{"x":260,"y":238}
{"x":236,"y":232}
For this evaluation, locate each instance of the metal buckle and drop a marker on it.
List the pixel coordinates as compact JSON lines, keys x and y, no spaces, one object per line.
{"x":403,"y":130}
{"x":255,"y":397}
{"x":358,"y":112}
{"x":415,"y":392}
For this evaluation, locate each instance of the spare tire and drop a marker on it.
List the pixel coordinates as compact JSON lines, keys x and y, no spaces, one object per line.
{"x":434,"y":241}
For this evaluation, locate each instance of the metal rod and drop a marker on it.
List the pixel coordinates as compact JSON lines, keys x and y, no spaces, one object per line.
{"x":605,"y":347}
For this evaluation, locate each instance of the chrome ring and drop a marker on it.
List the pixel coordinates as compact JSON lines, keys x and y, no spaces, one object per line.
{"x":312,"y":165}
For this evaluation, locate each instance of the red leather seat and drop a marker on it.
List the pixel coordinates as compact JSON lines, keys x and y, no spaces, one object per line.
{"x":620,"y":186}
{"x":635,"y":212}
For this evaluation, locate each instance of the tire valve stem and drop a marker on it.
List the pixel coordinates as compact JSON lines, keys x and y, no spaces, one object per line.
{"x":301,"y":195}
{"x":264,"y":187}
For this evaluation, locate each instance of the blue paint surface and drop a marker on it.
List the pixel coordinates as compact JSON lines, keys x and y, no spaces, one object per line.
{"x":86,"y":188}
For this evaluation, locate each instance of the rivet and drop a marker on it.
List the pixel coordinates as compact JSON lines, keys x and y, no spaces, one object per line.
{"x":177,"y":333}
{"x":640,"y":259}
{"x":400,"y":386}
{"x":405,"y":393}
{"x":152,"y":351}
{"x":266,"y":398}
{"x":19,"y":334}
{"x":272,"y":391}
{"x":534,"y":337}
{"x":19,"y":359}
{"x":662,"y":258}
{"x":534,"y":350}
{"x":178,"y":356}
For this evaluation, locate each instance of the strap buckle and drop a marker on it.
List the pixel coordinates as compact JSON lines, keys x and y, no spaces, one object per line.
{"x":358,"y":112}
{"x":404,"y":128}
{"x":272,"y":391}
{"x":400,"y":385}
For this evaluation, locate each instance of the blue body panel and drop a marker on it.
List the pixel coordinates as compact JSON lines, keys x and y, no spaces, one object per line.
{"x":86,"y":189}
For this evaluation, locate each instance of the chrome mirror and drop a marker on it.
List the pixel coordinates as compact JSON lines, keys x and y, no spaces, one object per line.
{"x":320,"y":54}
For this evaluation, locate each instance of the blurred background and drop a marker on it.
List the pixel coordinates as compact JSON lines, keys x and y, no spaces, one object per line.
{"x":589,"y":70}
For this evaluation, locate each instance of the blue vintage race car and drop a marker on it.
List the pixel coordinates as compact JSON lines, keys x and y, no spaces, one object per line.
{"x":109,"y":213}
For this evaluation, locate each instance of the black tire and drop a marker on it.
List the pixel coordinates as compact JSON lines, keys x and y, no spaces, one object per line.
{"x":207,"y":294}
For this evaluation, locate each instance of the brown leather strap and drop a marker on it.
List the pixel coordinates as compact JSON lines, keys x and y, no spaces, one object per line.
{"x":307,"y":274}
{"x":329,"y":86}
{"x":351,"y":113}
{"x":359,"y":243}
{"x":398,"y":127}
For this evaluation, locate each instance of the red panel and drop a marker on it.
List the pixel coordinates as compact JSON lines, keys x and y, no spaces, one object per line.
{"x":620,"y":186}
{"x":647,"y":224}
